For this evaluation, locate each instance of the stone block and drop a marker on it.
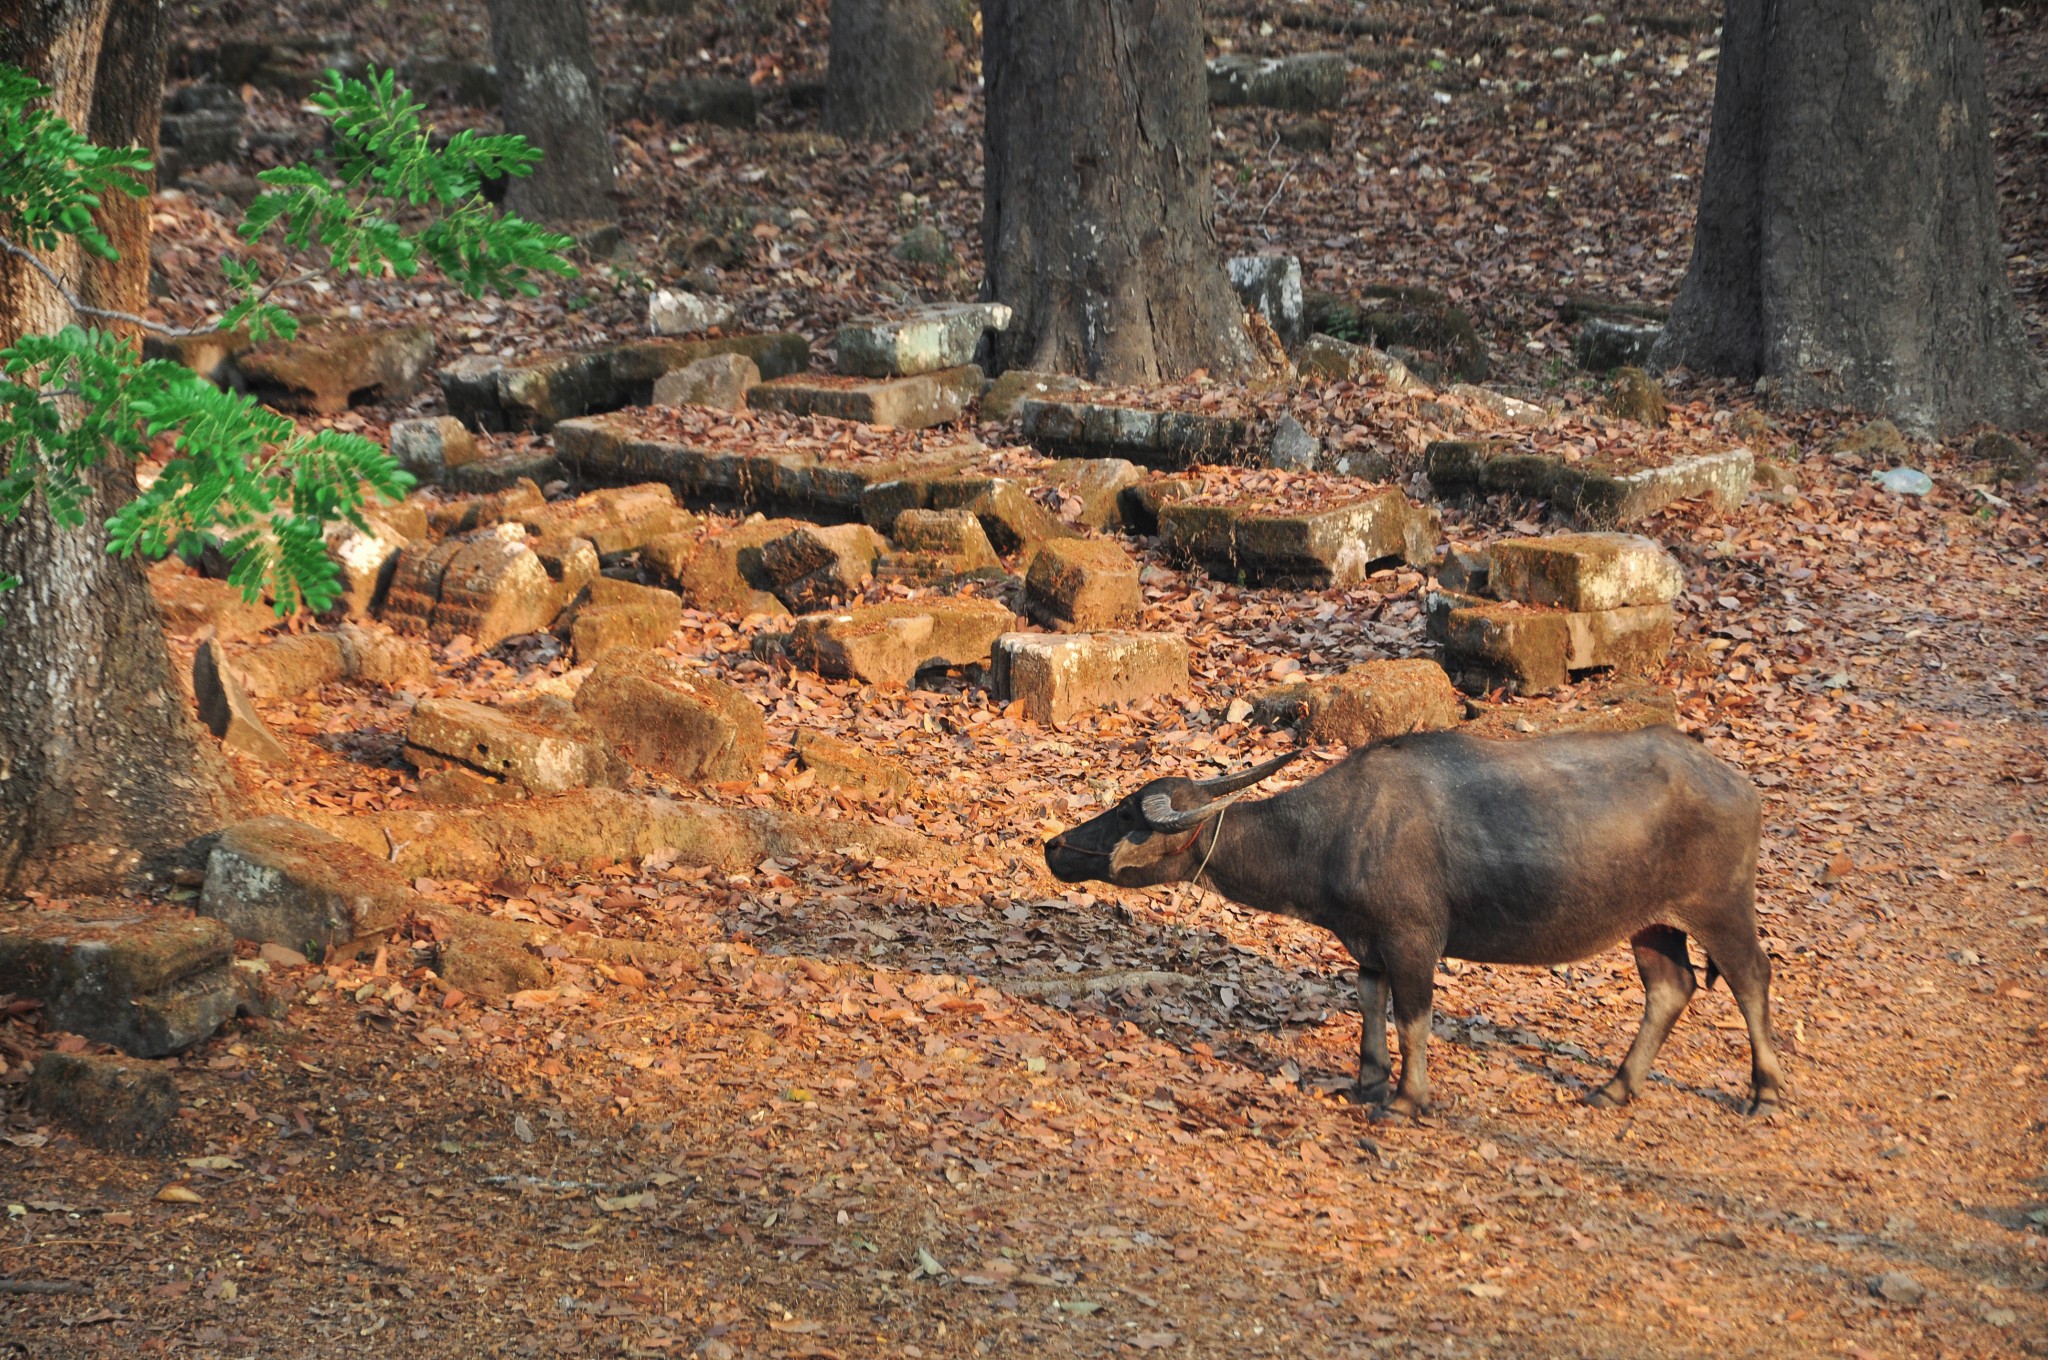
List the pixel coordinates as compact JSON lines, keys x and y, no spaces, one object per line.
{"x":817,"y":567}
{"x":1303,"y":83}
{"x":571,"y":563}
{"x":720,"y":382}
{"x":226,"y":709}
{"x":487,"y":585}
{"x":148,"y":984}
{"x":938,"y":545}
{"x":366,"y":557}
{"x":1015,"y":385}
{"x":1162,"y":439}
{"x":671,"y":720}
{"x":1537,"y":649}
{"x":462,"y":514}
{"x":489,"y":393}
{"x":1271,"y":286}
{"x":541,"y":747}
{"x":722,"y":100}
{"x":1082,"y":585}
{"x":675,"y":312}
{"x":621,"y":614}
{"x":1059,"y":677}
{"x":210,"y":354}
{"x":912,"y":403}
{"x":1092,"y":490}
{"x":927,"y":340}
{"x":327,"y":373}
{"x":1329,"y":359}
{"x":1465,"y":570}
{"x":842,"y":765}
{"x":1620,"y":705}
{"x":1584,"y":571}
{"x":1339,"y":545}
{"x":888,"y":644}
{"x":1011,"y":519}
{"x":1596,"y":493}
{"x":428,"y":447}
{"x":1603,"y":345}
{"x":1366,"y":703}
{"x":1292,"y":447}
{"x":117,"y":1104}
{"x":276,"y":880}
{"x":1500,"y":405}
{"x":616,"y":520}
{"x":721,"y":574}
{"x":505,"y":471}
{"x":287,"y":667}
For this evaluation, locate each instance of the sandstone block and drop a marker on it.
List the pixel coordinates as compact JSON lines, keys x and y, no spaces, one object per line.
{"x":1082,"y":585}
{"x":614,"y":614}
{"x":1367,"y":703}
{"x":1339,"y":545}
{"x":1333,"y":360}
{"x":722,"y":574}
{"x":925,"y":341}
{"x":281,"y":881}
{"x":191,"y":604}
{"x":113,"y":1103}
{"x":225,"y":707}
{"x":488,"y":585}
{"x":888,"y":644}
{"x":616,"y":520}
{"x":1304,"y":82}
{"x":675,"y":312}
{"x":507,"y":471}
{"x":542,"y":747}
{"x":1092,"y":490}
{"x":1015,"y":385}
{"x":1585,"y":571}
{"x":1271,"y":286}
{"x":842,"y":765}
{"x":462,"y":514}
{"x":326,"y":374}
{"x":720,"y":382}
{"x":912,"y":403}
{"x":1058,"y":677}
{"x":366,"y":557}
{"x":672,"y":720}
{"x":1537,"y":649}
{"x":818,"y":566}
{"x":489,"y":393}
{"x":1011,"y":519}
{"x":428,"y":448}
{"x":148,"y":984}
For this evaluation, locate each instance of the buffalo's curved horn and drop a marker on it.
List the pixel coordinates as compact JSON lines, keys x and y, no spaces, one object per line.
{"x":1244,"y":779}
{"x":1161,"y":815}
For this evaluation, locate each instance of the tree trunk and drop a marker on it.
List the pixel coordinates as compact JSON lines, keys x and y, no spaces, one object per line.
{"x":888,"y":59}
{"x":105,"y":777}
{"x":1847,"y":244}
{"x":1098,"y":225}
{"x":550,"y":96}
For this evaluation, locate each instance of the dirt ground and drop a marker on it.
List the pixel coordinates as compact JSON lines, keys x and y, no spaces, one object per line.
{"x":875,"y":1123}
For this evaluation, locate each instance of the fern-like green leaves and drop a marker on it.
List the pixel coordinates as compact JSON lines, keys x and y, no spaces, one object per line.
{"x":234,"y":472}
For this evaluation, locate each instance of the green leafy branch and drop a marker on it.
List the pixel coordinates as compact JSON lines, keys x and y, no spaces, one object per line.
{"x":235,"y":472}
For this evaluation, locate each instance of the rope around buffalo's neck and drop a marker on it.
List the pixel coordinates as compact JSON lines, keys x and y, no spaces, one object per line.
{"x":1221,"y":813}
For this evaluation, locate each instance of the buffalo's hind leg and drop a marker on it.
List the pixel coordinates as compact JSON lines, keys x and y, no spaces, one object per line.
{"x":1668,"y":985}
{"x":1375,"y":1066}
{"x":1739,"y":956}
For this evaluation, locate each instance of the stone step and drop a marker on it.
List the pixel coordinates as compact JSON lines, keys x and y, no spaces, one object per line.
{"x":1594,"y":493}
{"x":1082,"y":585}
{"x":828,"y":487}
{"x":1336,"y":546}
{"x":924,"y":341}
{"x":540,"y":747}
{"x":276,"y":880}
{"x":1368,"y":702}
{"x":1584,"y":571}
{"x":486,"y":392}
{"x":149,"y":984}
{"x":673,"y":721}
{"x":1158,"y":439}
{"x":888,"y":644}
{"x":1535,"y":649}
{"x":1059,"y":676}
{"x":912,"y":403}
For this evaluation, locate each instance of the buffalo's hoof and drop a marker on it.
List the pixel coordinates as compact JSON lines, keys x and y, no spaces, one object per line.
{"x":1763,"y":1105}
{"x":1612,"y":1096}
{"x":1375,"y":1093}
{"x":1401,"y":1107}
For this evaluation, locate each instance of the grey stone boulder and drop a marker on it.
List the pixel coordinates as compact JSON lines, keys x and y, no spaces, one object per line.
{"x":675,"y":312}
{"x":719,"y":382}
{"x":1603,"y":345}
{"x":1304,"y":82}
{"x":923,"y":341}
{"x":429,"y":447}
{"x":147,"y":983}
{"x":226,"y":709}
{"x":278,"y":881}
{"x":1291,"y":447}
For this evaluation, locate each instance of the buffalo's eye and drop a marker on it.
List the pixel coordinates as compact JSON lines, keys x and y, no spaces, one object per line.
{"x":1125,"y":815}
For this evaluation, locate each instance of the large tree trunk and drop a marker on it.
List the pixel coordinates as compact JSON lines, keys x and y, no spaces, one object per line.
{"x":1847,"y":245}
{"x":104,"y":775}
{"x":1098,"y":224}
{"x":550,"y":96}
{"x":888,"y":59}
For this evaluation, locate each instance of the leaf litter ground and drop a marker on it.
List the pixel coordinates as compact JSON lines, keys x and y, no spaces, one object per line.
{"x":909,"y":1109}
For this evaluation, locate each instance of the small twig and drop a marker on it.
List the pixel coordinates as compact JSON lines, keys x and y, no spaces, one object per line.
{"x":1278,"y":191}
{"x":396,"y":844}
{"x":44,"y":1287}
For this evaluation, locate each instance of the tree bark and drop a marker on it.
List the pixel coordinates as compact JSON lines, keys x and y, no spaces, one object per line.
{"x":1847,"y":242}
{"x":550,"y":96}
{"x":105,"y":777}
{"x":1098,"y":226}
{"x":888,"y":58}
